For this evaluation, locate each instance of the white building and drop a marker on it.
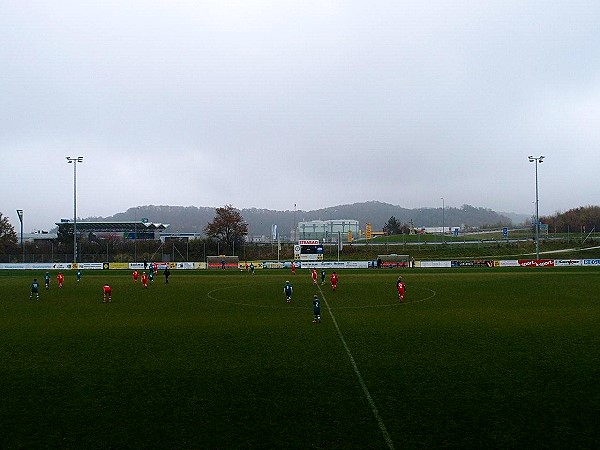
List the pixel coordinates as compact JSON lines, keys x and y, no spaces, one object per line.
{"x":328,"y":230}
{"x":440,"y":230}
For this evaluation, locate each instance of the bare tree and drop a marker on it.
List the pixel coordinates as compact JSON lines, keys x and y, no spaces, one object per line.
{"x":228,"y":226}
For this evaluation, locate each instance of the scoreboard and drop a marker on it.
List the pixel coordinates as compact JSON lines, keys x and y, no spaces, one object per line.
{"x":308,"y":250}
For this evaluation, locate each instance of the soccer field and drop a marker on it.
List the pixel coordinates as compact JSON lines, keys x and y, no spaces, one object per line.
{"x":217,"y":359}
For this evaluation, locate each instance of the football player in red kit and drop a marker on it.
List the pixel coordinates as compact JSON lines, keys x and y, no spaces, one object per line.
{"x":401,"y":287}
{"x":107,"y":293}
{"x":334,"y":281}
{"x":60,"y":278}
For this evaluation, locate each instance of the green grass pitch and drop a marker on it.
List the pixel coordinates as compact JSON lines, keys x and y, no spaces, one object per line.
{"x":499,"y":358}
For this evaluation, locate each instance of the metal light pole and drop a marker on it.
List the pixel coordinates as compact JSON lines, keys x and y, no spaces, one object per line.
{"x":135,"y":235}
{"x":537,"y":161}
{"x":443,"y":222}
{"x":74,"y":161}
{"x":20,"y":214}
{"x":295,"y":239}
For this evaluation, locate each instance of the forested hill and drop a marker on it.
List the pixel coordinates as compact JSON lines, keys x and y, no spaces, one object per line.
{"x":585,"y":218}
{"x":260,"y":221}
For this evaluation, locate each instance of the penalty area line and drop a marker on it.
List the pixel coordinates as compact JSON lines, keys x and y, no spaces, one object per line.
{"x":382,"y":427}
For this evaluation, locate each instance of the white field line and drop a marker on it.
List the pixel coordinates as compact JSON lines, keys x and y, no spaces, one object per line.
{"x":382,"y":427}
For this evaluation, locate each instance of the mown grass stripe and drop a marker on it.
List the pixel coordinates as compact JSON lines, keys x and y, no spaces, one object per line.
{"x":386,"y":436}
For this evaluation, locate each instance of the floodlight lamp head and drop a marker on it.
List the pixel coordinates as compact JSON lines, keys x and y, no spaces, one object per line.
{"x":541,"y":158}
{"x":531,"y":158}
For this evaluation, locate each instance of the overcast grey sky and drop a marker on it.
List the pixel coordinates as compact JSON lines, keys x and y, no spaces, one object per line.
{"x":268,"y":104}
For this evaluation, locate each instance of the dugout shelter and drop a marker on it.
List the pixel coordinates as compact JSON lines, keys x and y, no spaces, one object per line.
{"x":393,"y":260}
{"x":222,"y":262}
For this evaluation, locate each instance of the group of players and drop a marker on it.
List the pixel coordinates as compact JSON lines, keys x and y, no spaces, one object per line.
{"x":106,"y":289}
{"x":288,"y":290}
{"x":145,"y":279}
{"x":60,"y":278}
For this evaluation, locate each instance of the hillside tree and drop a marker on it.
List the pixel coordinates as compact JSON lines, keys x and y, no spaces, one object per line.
{"x":392,"y":226}
{"x":228,"y":226}
{"x":8,"y":235}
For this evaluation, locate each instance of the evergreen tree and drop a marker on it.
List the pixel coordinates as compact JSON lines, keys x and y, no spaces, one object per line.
{"x":8,"y":236}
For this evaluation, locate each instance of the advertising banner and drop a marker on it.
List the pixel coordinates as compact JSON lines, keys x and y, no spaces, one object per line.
{"x":39,"y":266}
{"x":432,"y":264}
{"x":567,"y":262}
{"x":308,"y":242}
{"x":507,"y":263}
{"x":246,"y":265}
{"x":140,"y":266}
{"x":472,"y":263}
{"x":28,"y":266}
{"x":536,"y":262}
{"x":335,"y":264}
{"x":89,"y":266}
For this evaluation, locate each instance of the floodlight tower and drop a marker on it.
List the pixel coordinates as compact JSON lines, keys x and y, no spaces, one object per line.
{"x":74,"y":161}
{"x":537,"y":161}
{"x":20,"y":214}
